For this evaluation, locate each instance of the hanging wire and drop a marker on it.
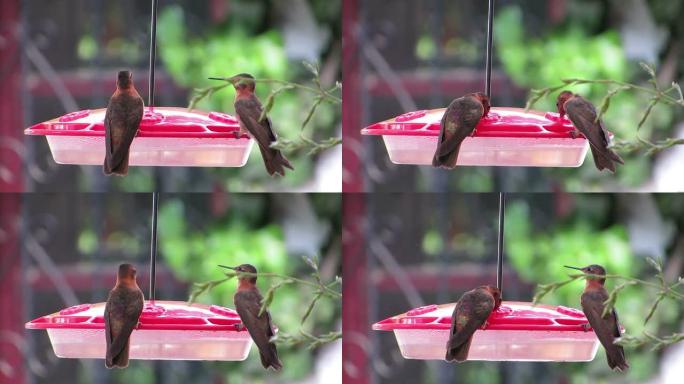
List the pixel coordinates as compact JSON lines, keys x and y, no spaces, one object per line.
{"x":153,"y":51}
{"x":500,"y":245}
{"x":153,"y":247}
{"x":488,"y":57}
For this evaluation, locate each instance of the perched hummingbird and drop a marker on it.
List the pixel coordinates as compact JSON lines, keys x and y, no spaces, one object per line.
{"x":583,"y":116}
{"x":248,"y":110}
{"x":606,"y":328}
{"x":459,"y":121}
{"x":247,"y":302}
{"x":122,"y":311}
{"x":471,"y":312}
{"x":122,"y":120}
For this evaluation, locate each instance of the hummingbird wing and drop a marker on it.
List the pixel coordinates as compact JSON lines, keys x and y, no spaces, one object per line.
{"x":122,"y":120}
{"x":459,"y":121}
{"x":583,"y":114}
{"x":248,"y":110}
{"x":606,"y":328}
{"x":260,"y":328}
{"x":121,"y":316}
{"x":470,"y":313}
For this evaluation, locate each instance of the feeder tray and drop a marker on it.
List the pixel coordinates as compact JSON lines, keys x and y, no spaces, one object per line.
{"x":168,"y":330}
{"x":505,"y":137}
{"x":517,"y":331}
{"x":167,"y":137}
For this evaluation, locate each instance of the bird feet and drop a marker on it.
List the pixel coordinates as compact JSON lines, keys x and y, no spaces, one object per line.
{"x":484,"y":325}
{"x":574,"y":133}
{"x":586,"y":327}
{"x":239,"y":327}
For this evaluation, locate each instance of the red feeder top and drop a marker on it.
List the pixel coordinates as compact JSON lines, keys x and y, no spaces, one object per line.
{"x":158,"y":315}
{"x":500,"y":122}
{"x":511,"y":316}
{"x":156,"y":122}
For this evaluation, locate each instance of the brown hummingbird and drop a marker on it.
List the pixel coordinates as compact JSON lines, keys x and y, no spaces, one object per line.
{"x":607,"y":328}
{"x":248,"y":110}
{"x":122,"y":311}
{"x":247,"y":302}
{"x":471,"y":312}
{"x":459,"y":121}
{"x":122,"y":120}
{"x":583,"y":116}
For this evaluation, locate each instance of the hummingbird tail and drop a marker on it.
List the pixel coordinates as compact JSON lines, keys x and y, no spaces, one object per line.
{"x":118,"y":169}
{"x":460,"y":352}
{"x":269,"y":357}
{"x":276,"y":163}
{"x":447,"y":161}
{"x":602,"y":161}
{"x":616,"y":358}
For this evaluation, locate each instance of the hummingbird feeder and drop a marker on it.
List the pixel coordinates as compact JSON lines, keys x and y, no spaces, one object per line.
{"x":167,"y":330}
{"x":505,"y":137}
{"x":167,"y":136}
{"x":516,"y":331}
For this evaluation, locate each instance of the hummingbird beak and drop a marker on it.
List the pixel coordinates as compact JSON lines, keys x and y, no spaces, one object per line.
{"x":225,"y":266}
{"x":221,"y":79}
{"x":579,"y":269}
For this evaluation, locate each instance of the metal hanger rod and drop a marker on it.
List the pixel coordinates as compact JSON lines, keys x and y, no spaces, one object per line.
{"x":153,"y":247}
{"x":153,"y":51}
{"x":500,"y":245}
{"x":488,"y":57}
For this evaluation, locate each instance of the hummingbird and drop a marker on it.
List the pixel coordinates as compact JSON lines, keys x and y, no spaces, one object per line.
{"x":459,"y":121}
{"x":247,"y":302}
{"x":122,"y":120}
{"x":122,"y":311}
{"x":248,"y":110}
{"x":582,"y":113}
{"x":606,"y":328}
{"x":471,"y":312}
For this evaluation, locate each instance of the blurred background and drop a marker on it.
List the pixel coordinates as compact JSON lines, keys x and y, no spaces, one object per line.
{"x":440,"y":245}
{"x":419,"y":55}
{"x":61,"y":56}
{"x":58,"y":250}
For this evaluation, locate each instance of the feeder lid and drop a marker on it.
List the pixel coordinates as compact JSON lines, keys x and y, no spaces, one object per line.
{"x":499,"y":122}
{"x":156,"y":122}
{"x":510,"y":316}
{"x":157,"y":315}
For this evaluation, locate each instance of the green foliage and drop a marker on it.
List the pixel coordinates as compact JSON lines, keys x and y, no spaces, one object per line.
{"x":537,"y":62}
{"x":243,"y":45}
{"x":671,"y":96}
{"x":538,"y":253}
{"x":570,"y":51}
{"x":321,"y":95}
{"x":195,"y":253}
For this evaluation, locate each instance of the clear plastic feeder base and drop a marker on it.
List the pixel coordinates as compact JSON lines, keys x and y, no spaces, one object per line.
{"x":517,"y":331}
{"x":502,"y":345}
{"x":490,"y":151}
{"x":154,"y":344}
{"x":155,"y":151}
